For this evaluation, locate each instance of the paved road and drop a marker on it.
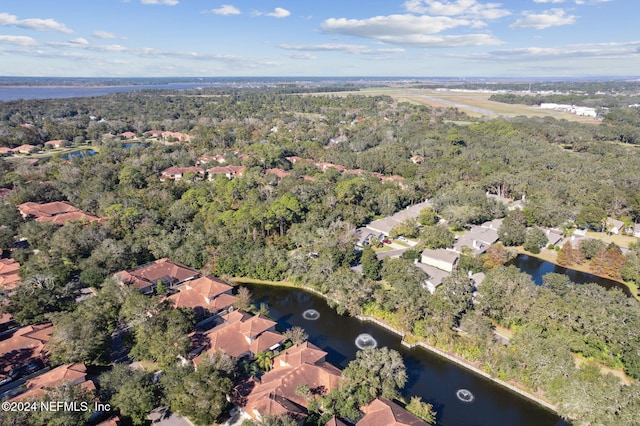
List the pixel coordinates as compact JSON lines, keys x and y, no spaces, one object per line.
{"x":391,"y":253}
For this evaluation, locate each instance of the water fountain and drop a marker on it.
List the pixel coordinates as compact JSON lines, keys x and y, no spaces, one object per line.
{"x":365,"y":340}
{"x":311,"y":315}
{"x":464,"y":395}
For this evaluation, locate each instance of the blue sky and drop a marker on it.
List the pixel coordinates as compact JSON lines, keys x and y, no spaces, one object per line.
{"x":458,"y":38}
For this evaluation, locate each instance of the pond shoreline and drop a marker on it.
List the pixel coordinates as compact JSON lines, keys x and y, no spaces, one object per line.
{"x":440,"y":352}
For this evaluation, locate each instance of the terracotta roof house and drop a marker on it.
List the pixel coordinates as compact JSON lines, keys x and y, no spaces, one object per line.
{"x":440,"y":258}
{"x":241,"y":335}
{"x":54,"y":143}
{"x":58,"y":212}
{"x":25,"y":149}
{"x":4,"y":192}
{"x":37,"y":210}
{"x":334,"y":421}
{"x":25,"y":348}
{"x":279,"y":173}
{"x":5,"y":151}
{"x":275,"y":392}
{"x":383,"y":412}
{"x":206,"y":295}
{"x":128,"y":135}
{"x":177,"y":173}
{"x":146,"y":277}
{"x":9,"y":278}
{"x":229,"y":171}
{"x":68,"y":374}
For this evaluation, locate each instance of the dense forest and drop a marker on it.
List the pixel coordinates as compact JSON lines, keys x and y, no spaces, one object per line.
{"x":301,"y":227}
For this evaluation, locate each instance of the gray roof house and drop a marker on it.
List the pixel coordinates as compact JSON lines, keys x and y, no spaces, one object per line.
{"x":440,"y":258}
{"x":386,"y":224}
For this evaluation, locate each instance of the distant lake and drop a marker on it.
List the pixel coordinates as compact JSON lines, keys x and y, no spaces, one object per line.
{"x":15,"y":93}
{"x":82,"y":154}
{"x":538,"y":268}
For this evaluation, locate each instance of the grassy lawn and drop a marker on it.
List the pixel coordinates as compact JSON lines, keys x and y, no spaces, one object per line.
{"x":579,"y":360}
{"x":620,"y":240}
{"x":244,"y":280}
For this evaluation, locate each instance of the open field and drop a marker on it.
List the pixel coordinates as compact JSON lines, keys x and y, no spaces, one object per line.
{"x":474,"y":103}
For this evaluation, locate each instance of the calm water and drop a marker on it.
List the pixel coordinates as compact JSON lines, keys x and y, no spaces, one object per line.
{"x":12,"y":94}
{"x":433,"y":378}
{"x":82,"y":154}
{"x":537,"y":268}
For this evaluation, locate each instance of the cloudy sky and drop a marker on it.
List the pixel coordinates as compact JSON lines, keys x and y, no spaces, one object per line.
{"x":516,"y":38}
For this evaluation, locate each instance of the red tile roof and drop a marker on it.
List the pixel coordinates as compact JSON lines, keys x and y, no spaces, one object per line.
{"x":74,"y":374}
{"x":147,"y":276}
{"x":383,"y":412}
{"x":26,"y":343}
{"x":242,"y":333}
{"x":276,"y":392}
{"x":206,"y":293}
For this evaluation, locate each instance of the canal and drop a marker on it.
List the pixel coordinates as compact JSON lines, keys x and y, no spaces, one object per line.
{"x":435,"y":379}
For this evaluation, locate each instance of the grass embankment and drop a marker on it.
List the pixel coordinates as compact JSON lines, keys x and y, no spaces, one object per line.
{"x":551,"y":257}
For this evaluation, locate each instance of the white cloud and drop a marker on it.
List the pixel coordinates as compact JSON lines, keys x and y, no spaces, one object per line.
{"x":279,"y":13}
{"x":18,"y":40}
{"x":34,"y":23}
{"x":409,"y":30}
{"x":80,"y":41}
{"x":337,"y":47}
{"x":554,"y":1}
{"x":540,"y":21}
{"x":167,"y":2}
{"x":303,"y":56}
{"x":104,"y":34}
{"x":463,"y":8}
{"x":612,"y":50}
{"x":225,"y":10}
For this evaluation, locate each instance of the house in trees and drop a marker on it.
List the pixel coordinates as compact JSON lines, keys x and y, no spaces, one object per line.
{"x":229,"y":172}
{"x":25,"y":149}
{"x":443,"y":259}
{"x":479,"y":238}
{"x":385,"y":225}
{"x":58,"y":212}
{"x":9,"y":278}
{"x":279,"y":173}
{"x":68,"y":374}
{"x":615,"y":226}
{"x":57,"y":143}
{"x":5,"y":151}
{"x":178,"y":173}
{"x":206,"y":295}
{"x":382,"y":411}
{"x":274,"y":394}
{"x":24,"y":351}
{"x":240,"y":335}
{"x":435,"y":276}
{"x":146,"y":277}
{"x":365,"y":236}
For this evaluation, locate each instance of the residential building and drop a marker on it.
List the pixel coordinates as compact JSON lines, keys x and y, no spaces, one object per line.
{"x":383,"y":412}
{"x":25,"y":149}
{"x":58,"y":212}
{"x":206,"y":295}
{"x":5,"y":151}
{"x":9,"y":278}
{"x":178,"y":173}
{"x":443,"y":259}
{"x":275,"y":392}
{"x":385,"y":225}
{"x":229,"y":172}
{"x":24,"y":351}
{"x":146,"y":277}
{"x":68,"y":374}
{"x":615,"y":226}
{"x":240,"y":335}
